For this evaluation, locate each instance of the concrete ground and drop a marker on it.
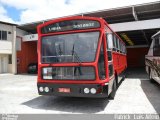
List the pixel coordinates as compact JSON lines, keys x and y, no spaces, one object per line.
{"x":18,"y":94}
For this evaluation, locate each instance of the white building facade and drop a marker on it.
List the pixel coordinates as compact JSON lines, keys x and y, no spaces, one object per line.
{"x":8,"y":36}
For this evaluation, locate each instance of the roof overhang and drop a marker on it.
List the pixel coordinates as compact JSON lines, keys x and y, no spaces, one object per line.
{"x":138,"y":22}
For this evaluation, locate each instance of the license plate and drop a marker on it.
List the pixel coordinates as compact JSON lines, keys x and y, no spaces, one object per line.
{"x":64,"y":90}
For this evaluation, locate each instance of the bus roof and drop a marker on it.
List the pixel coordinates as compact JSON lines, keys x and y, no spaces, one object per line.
{"x":70,"y":18}
{"x":100,"y":20}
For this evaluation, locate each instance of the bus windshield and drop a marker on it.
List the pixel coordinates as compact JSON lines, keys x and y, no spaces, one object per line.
{"x":76,"y":47}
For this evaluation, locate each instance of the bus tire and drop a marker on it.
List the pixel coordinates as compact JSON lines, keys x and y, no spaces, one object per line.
{"x":114,"y":89}
{"x":150,"y":76}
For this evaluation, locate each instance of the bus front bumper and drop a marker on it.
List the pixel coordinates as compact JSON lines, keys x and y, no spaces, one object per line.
{"x":72,"y":90}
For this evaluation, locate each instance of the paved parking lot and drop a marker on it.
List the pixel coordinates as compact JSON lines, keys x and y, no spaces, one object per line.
{"x":18,"y":94}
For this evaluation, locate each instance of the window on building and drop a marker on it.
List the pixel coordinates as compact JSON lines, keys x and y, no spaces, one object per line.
{"x":3,"y":35}
{"x":9,"y":32}
{"x":9,"y":59}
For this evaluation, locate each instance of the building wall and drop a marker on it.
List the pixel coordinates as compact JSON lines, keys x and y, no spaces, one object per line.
{"x":27,"y":55}
{"x":6,"y":48}
{"x":26,"y":50}
{"x":136,"y":56}
{"x":8,"y":28}
{"x":6,"y":45}
{"x":9,"y":47}
{"x":21,"y":33}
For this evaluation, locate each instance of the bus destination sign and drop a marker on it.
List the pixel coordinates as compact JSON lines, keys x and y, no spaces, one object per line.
{"x":70,"y":25}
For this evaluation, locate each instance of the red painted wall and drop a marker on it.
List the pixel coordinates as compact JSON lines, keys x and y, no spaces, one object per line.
{"x":136,"y":56}
{"x":28,"y":54}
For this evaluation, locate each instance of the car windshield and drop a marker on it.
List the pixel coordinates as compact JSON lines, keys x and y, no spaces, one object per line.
{"x":77,"y":47}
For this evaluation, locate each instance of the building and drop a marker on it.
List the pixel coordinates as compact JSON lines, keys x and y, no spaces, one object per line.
{"x":10,"y":45}
{"x":7,"y":47}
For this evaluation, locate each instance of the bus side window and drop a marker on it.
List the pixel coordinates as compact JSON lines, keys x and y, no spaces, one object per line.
{"x":110,"y":68}
{"x":109,"y":42}
{"x":116,"y":43}
{"x":123,"y":49}
{"x":120,"y":46}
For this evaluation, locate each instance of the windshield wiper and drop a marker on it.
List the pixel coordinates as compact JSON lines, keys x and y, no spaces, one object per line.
{"x":75,"y":54}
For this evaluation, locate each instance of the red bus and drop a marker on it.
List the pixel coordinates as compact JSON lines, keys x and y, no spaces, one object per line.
{"x":79,"y":57}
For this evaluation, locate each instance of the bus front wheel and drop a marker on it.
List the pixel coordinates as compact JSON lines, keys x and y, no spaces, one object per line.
{"x":150,"y":76}
{"x":114,"y":89}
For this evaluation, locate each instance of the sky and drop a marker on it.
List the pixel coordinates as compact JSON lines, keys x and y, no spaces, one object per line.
{"x":26,"y":11}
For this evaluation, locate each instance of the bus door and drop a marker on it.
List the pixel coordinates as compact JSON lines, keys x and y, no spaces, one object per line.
{"x":109,"y":42}
{"x":109,"y":53}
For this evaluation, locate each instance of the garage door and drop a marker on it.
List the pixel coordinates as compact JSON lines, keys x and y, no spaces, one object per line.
{"x":136,"y":56}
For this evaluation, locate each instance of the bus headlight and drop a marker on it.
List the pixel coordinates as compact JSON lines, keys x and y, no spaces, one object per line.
{"x":93,"y":90}
{"x":46,"y":89}
{"x":86,"y":90}
{"x":47,"y":73}
{"x":41,"y":89}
